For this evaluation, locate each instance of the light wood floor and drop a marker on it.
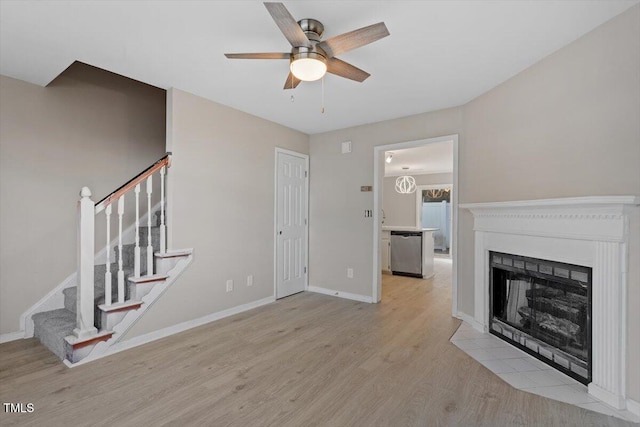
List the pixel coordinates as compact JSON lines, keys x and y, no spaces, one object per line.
{"x":306,"y":360}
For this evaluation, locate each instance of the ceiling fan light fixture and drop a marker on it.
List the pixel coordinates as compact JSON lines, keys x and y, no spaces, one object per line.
{"x":308,"y":66}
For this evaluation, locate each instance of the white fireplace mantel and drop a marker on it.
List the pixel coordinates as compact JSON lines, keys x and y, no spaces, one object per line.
{"x":588,"y":231}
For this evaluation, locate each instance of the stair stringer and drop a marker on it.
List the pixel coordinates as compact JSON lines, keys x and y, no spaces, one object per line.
{"x":105,"y":348}
{"x":55,"y":298}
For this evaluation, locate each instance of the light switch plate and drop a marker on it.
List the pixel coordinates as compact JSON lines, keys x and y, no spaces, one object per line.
{"x":346,"y":147}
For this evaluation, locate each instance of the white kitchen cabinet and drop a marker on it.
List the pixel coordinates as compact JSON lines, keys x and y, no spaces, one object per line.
{"x":385,"y":252}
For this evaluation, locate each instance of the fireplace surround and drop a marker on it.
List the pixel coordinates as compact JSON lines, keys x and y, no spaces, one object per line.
{"x":590,"y":232}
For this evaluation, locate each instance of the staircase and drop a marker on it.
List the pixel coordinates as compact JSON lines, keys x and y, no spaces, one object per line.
{"x":111,"y":297}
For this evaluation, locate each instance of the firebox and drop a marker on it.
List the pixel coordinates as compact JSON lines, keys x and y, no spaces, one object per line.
{"x":544,"y":308}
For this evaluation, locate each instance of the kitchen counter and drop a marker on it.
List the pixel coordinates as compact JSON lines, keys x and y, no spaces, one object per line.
{"x":406,"y":228}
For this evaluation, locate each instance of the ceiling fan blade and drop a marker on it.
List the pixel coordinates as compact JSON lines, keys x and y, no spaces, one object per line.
{"x":292,"y":82}
{"x":287,"y":25}
{"x":269,"y":55}
{"x":354,"y":39}
{"x":346,"y":70}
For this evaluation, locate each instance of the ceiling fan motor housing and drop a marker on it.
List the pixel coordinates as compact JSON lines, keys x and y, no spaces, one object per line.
{"x":312,"y":28}
{"x":308,"y":52}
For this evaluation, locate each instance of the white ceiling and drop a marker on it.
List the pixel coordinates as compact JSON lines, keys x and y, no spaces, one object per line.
{"x":440,"y":53}
{"x":430,"y":158}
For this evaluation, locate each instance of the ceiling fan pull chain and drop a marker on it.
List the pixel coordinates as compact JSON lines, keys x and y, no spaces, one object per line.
{"x":292,"y":98}
{"x":322,"y":107}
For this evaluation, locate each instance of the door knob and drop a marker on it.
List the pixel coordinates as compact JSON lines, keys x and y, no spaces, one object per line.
{"x":280,"y":232}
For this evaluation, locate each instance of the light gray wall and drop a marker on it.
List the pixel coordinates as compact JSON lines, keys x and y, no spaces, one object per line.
{"x":400,"y":209}
{"x":88,"y":127}
{"x":340,"y":236}
{"x":222,"y":205}
{"x":567,"y":126}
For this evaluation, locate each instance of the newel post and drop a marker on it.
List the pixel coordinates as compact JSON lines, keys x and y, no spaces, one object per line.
{"x":86,"y":231}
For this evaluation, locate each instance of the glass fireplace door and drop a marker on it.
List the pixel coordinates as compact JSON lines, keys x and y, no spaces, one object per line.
{"x":544,"y":308}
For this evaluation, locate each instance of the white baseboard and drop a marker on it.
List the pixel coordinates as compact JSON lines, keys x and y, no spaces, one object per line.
{"x":471,"y":321}
{"x":633,"y":407}
{"x":171,"y":330}
{"x":11,"y":336}
{"x":340,"y":294}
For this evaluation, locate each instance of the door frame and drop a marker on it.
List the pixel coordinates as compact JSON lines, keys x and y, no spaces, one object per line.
{"x":378,"y":175}
{"x":279,"y":151}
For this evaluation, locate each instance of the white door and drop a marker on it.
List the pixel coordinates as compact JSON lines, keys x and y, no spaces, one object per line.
{"x":291,"y":224}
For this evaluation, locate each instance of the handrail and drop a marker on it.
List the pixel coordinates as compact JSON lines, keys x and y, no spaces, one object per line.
{"x":164,"y":161}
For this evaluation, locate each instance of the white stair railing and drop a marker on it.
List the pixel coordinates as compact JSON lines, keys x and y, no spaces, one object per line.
{"x":149,"y":246}
{"x":163,"y":229}
{"x":107,"y":274}
{"x":87,"y":211}
{"x":120,"y":270}
{"x":136,"y":250}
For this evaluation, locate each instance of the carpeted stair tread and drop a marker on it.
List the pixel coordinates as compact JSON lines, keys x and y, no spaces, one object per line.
{"x":52,"y":326}
{"x":128,"y":257}
{"x":71,"y":293}
{"x":70,"y":296}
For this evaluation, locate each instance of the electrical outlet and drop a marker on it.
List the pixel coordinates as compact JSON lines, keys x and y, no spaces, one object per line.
{"x":250,"y":280}
{"x":229,"y":285}
{"x":350,"y":273}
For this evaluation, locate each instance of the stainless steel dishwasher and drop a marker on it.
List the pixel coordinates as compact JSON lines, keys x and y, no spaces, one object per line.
{"x":406,"y":253}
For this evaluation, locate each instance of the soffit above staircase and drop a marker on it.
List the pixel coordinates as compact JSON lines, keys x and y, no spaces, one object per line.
{"x":466,"y":48}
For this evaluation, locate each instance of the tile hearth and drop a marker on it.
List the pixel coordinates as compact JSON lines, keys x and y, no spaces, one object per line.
{"x":527,"y":373}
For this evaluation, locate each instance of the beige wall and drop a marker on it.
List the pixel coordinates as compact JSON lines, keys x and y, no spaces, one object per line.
{"x":567,"y":126}
{"x":340,"y":236}
{"x":88,"y":127}
{"x":222,"y":187}
{"x":400,"y":209}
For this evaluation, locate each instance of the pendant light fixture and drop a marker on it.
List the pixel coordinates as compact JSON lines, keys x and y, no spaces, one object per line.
{"x":405,"y":184}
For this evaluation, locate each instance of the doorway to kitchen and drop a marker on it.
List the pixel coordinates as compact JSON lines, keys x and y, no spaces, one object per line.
{"x":401,"y":186}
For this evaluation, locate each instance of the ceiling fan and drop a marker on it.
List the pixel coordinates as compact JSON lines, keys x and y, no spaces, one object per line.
{"x":310,"y":57}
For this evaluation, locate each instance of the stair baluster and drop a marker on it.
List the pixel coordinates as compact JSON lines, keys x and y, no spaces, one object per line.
{"x":149,"y":246}
{"x":120,"y":270}
{"x":136,"y":250}
{"x":163,"y":229}
{"x":107,"y":273}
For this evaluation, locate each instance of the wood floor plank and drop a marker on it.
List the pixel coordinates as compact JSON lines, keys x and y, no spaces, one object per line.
{"x":306,"y":360}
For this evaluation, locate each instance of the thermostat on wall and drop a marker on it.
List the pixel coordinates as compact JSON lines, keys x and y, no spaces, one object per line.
{"x":346,"y":147}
